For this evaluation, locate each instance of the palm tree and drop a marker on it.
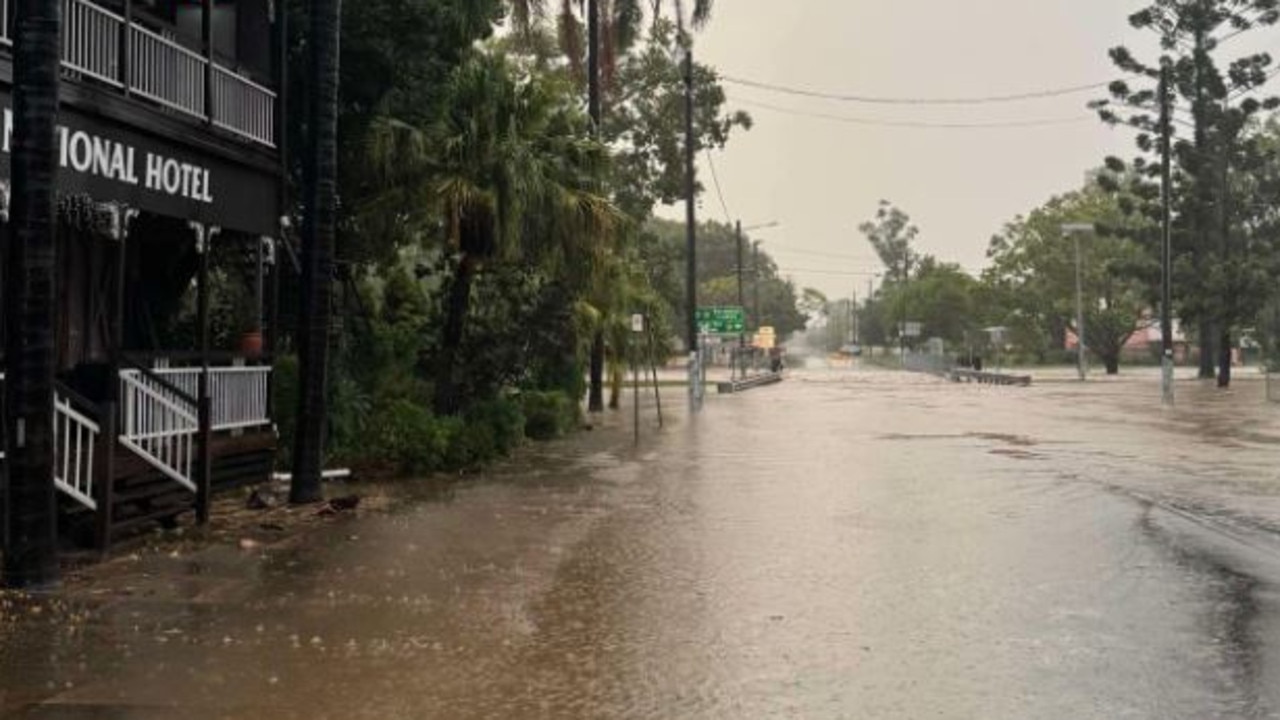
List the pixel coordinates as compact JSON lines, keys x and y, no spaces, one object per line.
{"x":319,"y":234}
{"x":609,"y":33}
{"x":512,"y":171}
{"x":30,"y":556}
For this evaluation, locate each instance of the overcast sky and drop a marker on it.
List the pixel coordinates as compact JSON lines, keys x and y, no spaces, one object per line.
{"x":821,"y":178}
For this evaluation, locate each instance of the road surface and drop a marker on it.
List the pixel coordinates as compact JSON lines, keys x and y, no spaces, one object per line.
{"x":849,"y":544}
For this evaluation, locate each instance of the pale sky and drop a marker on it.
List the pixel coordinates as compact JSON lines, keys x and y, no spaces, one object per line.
{"x":820,"y":178}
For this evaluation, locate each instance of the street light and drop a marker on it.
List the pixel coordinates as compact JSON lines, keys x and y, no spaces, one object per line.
{"x":1075,"y":230}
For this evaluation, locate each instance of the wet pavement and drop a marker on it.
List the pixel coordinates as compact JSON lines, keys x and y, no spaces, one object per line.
{"x":849,"y":544}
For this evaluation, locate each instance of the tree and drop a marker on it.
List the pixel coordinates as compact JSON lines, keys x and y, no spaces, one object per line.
{"x":320,"y":229}
{"x":891,"y":234}
{"x":1192,"y":34}
{"x":30,"y":548}
{"x":515,"y":176}
{"x":718,"y":275}
{"x":609,"y":35}
{"x":645,"y":123}
{"x":1033,"y":274}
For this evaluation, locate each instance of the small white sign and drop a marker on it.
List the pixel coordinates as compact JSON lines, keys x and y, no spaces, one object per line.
{"x":637,"y":323}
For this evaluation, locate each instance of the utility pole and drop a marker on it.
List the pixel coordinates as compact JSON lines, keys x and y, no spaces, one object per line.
{"x":691,"y":239}
{"x":856,"y":338}
{"x":755,"y":291}
{"x":1075,"y":230}
{"x":902,"y":329}
{"x":1080,"y":346}
{"x":742,"y":336}
{"x":1166,"y":248}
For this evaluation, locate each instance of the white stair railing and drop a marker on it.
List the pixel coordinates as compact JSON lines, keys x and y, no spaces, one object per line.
{"x":75,"y":436}
{"x":159,"y":425}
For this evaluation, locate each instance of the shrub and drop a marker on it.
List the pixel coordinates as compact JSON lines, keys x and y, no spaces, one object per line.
{"x":548,"y":415}
{"x":406,"y":435}
{"x":504,"y":417}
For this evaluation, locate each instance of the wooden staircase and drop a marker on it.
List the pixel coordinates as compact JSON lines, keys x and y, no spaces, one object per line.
{"x":142,"y":496}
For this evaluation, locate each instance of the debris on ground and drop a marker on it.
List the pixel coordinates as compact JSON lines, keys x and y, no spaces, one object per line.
{"x":339,"y":504}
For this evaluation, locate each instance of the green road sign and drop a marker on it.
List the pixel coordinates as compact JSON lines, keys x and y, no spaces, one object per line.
{"x":721,"y":320}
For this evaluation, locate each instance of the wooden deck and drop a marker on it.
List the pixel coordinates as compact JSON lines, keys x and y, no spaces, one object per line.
{"x":142,"y":497}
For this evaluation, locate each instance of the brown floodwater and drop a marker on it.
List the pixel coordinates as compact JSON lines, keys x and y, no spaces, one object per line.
{"x":848,"y":544}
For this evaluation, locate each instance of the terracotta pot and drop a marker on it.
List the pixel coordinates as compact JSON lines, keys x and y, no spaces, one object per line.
{"x":251,"y":343}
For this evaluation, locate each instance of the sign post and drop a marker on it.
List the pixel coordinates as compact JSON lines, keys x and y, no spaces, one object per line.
{"x":637,"y":329}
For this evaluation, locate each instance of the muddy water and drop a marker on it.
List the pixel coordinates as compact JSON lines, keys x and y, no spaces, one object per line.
{"x":846,"y":545}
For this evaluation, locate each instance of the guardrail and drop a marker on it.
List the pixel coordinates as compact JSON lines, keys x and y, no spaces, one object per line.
{"x":989,"y":378}
{"x":161,"y":70}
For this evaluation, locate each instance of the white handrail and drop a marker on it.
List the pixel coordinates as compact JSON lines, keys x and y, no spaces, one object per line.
{"x":75,"y":438}
{"x":158,"y":426}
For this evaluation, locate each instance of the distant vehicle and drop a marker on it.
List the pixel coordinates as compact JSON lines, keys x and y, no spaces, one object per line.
{"x":851,"y":350}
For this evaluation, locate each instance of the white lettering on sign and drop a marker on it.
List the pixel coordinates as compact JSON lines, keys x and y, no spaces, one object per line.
{"x":91,"y":154}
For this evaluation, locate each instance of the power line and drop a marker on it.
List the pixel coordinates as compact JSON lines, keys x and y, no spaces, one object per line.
{"x":816,"y":253}
{"x":728,"y":218}
{"x":874,"y":100}
{"x":860,"y":273}
{"x":870,"y":122}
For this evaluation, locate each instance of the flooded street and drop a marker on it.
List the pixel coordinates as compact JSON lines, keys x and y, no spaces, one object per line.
{"x":848,"y":544}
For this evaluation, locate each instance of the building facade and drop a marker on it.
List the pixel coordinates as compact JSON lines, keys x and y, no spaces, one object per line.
{"x":170,"y":196}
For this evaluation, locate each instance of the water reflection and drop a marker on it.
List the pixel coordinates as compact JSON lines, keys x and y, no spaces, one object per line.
{"x":848,"y":544}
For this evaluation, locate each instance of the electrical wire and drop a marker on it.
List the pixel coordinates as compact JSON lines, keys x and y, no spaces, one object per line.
{"x":873,"y":122}
{"x":728,"y":218}
{"x":857,"y":273}
{"x":874,"y":100}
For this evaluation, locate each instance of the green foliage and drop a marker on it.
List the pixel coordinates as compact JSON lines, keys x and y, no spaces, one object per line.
{"x":549,"y":415}
{"x":503,"y":424}
{"x":718,"y":275}
{"x":284,"y":406}
{"x":405,"y":437}
{"x":644,"y":122}
{"x":1032,"y":278}
{"x":891,"y":234}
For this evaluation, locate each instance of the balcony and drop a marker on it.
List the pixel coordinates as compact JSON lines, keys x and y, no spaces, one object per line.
{"x":147,"y":65}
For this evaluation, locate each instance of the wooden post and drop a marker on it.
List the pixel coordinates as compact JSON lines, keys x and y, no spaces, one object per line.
{"x":271,"y":336}
{"x":258,"y":295}
{"x":105,"y":472}
{"x":4,"y":416}
{"x":204,"y":469}
{"x":206,"y":33}
{"x":653,"y":365}
{"x":282,"y":98}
